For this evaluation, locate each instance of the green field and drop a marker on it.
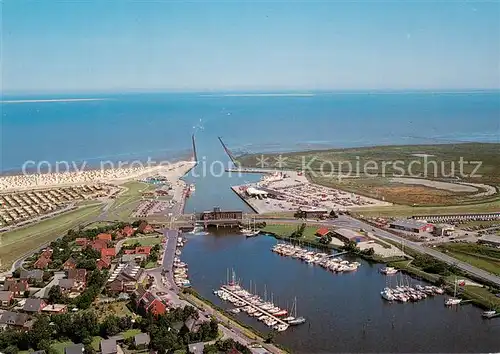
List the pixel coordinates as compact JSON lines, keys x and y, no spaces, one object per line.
{"x":128,"y":200}
{"x":403,"y":210}
{"x":337,"y":160}
{"x":119,"y":309}
{"x":19,"y":242}
{"x":484,"y":257}
{"x":285,"y":230}
{"x":371,"y":169}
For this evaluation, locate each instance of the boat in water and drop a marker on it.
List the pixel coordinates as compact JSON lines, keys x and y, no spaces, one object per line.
{"x":453,"y":300}
{"x":489,"y":314}
{"x":294,"y":319}
{"x":388,"y":271}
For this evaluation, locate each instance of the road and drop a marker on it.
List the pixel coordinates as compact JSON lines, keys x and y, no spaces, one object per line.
{"x":169,"y":288}
{"x":353,"y":223}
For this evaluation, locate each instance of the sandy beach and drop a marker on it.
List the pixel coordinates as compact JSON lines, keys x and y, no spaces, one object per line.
{"x":112,"y":176}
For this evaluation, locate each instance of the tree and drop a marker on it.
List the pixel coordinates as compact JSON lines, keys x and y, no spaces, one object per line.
{"x":369,"y":251}
{"x":55,"y":295}
{"x":111,"y":326}
{"x":326,"y":239}
{"x":41,"y":331}
{"x":299,"y":232}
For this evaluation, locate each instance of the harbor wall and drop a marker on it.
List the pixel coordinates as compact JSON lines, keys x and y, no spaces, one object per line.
{"x":235,"y":190}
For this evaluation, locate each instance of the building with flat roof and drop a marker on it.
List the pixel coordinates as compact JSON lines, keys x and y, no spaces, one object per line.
{"x":218,"y":214}
{"x":311,"y":213}
{"x":347,"y":235}
{"x":443,"y":229}
{"x":412,"y":225}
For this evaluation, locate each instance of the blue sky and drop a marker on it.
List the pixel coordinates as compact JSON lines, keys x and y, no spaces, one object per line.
{"x":262,"y":45}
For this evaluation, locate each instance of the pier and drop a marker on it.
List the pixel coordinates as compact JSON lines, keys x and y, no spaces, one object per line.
{"x":247,"y":303}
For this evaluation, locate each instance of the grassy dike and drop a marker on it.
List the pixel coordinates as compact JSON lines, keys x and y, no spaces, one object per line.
{"x":198,"y":301}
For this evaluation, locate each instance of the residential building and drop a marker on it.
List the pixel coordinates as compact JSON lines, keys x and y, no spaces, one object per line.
{"x":105,"y":237}
{"x":108,"y":252}
{"x":196,"y":348}
{"x":67,"y":285}
{"x":74,"y":349}
{"x":34,"y":305}
{"x":6,"y":298}
{"x":115,"y":287}
{"x":13,"y":319}
{"x":149,"y":303}
{"x":103,"y":263}
{"x":17,"y":287}
{"x":323,"y":231}
{"x":82,"y":242}
{"x":109,"y":346}
{"x":145,"y":228}
{"x":42,"y":262}
{"x":145,"y":250}
{"x":69,"y":264}
{"x":35,"y":275}
{"x":128,"y":231}
{"x":130,"y":274}
{"x":98,"y":245}
{"x":80,"y":277}
{"x":141,"y":341}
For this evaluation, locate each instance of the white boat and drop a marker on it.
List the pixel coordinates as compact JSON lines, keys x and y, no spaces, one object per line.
{"x":387,"y":295}
{"x":296,"y":320}
{"x":281,"y":327}
{"x":453,"y":300}
{"x":489,"y":314}
{"x":388,"y":271}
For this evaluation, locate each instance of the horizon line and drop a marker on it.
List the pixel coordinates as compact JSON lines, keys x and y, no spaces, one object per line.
{"x":238,"y":92}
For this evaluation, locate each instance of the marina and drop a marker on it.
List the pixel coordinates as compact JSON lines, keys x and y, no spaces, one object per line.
{"x":180,"y":269}
{"x":325,"y":260}
{"x":336,"y":308}
{"x":265,"y":311}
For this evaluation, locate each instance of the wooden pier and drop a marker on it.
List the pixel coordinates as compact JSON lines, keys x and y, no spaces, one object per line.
{"x":264,"y":312}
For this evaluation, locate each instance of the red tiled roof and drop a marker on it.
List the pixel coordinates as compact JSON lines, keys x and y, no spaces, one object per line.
{"x":42,"y":262}
{"x":104,"y":262}
{"x":322,"y":231}
{"x":107,"y":252}
{"x":129,"y":252}
{"x":128,"y":231}
{"x":99,"y":244}
{"x":104,"y":237}
{"x":143,"y":250}
{"x":81,"y":241}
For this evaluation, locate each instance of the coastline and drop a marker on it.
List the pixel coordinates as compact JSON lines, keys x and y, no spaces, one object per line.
{"x":19,"y":182}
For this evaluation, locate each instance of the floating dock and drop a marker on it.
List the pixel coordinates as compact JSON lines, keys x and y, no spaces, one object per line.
{"x":247,"y":303}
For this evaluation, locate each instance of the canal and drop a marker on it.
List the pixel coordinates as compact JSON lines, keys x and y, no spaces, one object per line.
{"x":344,"y":312}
